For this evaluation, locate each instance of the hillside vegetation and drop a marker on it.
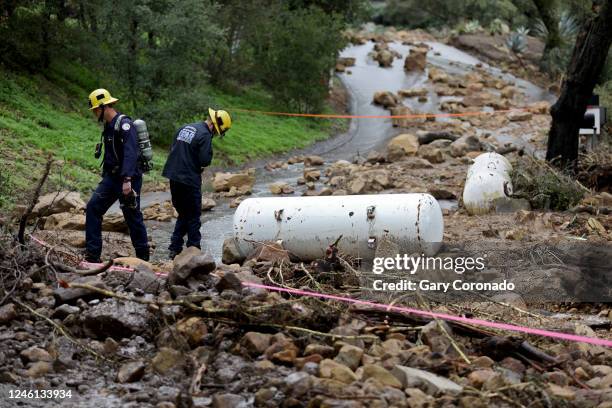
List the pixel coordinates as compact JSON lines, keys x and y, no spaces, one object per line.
{"x":167,"y":62}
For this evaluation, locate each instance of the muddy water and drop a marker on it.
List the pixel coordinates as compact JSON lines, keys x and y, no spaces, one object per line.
{"x":363,"y":135}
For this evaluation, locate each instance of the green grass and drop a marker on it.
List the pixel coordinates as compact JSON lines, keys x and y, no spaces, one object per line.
{"x":41,"y":116}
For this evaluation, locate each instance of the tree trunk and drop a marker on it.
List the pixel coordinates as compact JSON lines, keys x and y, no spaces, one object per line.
{"x":546,"y":9}
{"x":587,"y":61}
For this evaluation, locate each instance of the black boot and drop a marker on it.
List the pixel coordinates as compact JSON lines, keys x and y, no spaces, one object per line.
{"x":91,"y":258}
{"x":143,"y":255}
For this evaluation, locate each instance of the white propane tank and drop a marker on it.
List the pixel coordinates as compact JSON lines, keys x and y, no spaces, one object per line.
{"x":490,"y":161}
{"x":487,"y":179}
{"x":308,"y":225}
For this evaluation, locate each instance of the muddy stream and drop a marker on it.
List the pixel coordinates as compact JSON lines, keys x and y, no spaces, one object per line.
{"x":362,"y":136}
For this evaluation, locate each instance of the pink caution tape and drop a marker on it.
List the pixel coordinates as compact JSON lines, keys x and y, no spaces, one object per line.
{"x":444,"y":316}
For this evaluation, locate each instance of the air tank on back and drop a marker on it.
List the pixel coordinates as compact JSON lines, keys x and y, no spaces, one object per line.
{"x":144,"y":141}
{"x":307,"y":225}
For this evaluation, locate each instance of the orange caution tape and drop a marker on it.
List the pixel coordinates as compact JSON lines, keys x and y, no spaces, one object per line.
{"x":410,"y":116}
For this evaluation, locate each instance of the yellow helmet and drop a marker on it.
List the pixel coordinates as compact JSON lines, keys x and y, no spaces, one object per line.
{"x":221,"y":120}
{"x":100,"y":97}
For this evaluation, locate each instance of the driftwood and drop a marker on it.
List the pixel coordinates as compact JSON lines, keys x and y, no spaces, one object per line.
{"x":431,"y":136}
{"x":591,"y":209}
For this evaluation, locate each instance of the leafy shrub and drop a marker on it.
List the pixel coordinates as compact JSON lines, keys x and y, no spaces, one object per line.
{"x":517,"y":40}
{"x":498,"y":26}
{"x":544,"y":187}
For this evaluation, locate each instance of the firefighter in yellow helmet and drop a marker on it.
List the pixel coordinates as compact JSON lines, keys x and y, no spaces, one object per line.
{"x":121,"y":178}
{"x":191,"y":151}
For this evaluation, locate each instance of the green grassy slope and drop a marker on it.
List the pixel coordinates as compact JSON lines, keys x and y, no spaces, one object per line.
{"x":48,"y":115}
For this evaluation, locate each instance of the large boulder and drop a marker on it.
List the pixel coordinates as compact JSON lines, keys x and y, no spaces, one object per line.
{"x":407,"y":142}
{"x":231,"y":254}
{"x":243,"y":182}
{"x":386,"y":99}
{"x":416,"y":60}
{"x":58,"y":202}
{"x":114,"y":223}
{"x":385,"y":58}
{"x":115,"y":318}
{"x":190,"y":262}
{"x":65,"y":221}
{"x":463,"y":145}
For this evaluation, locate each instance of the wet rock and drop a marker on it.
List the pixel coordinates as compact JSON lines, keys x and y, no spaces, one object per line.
{"x":190,"y":263}
{"x":65,"y":221}
{"x":380,"y":374}
{"x":557,"y":377}
{"x":541,"y":107}
{"x":263,"y":395}
{"x":483,"y":362}
{"x":431,"y":153}
{"x":117,"y":319}
{"x":437,"y":75}
{"x":256,"y":343}
{"x":208,"y":203}
{"x":347,"y":61}
{"x":114,"y":223}
{"x":479,"y":377}
{"x":193,"y":329}
{"x":386,"y":99}
{"x":131,"y":372}
{"x":463,"y":145}
{"x":433,"y":382}
{"x":281,"y":188}
{"x":166,"y":359}
{"x":519,"y":116}
{"x":228,"y":401}
{"x":35,"y":354}
{"x":311,"y":174}
{"x":336,"y":371}
{"x":412,"y":92}
{"x":322,"y":349}
{"x":162,"y":212}
{"x":349,"y":356}
{"x":39,"y":369}
{"x":375,"y":157}
{"x":313,"y":161}
{"x":416,"y":60}
{"x":417,"y":398}
{"x":565,"y":393}
{"x":416,"y":163}
{"x":231,"y":254}
{"x":385,"y":58}
{"x":242,"y":182}
{"x":8,"y":312}
{"x":58,"y":202}
{"x":229,"y":281}
{"x":144,"y":280}
{"x":67,"y":295}
{"x":407,"y":142}
{"x":65,"y":310}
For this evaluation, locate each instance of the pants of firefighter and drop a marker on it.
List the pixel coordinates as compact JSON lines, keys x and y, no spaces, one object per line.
{"x":187,"y":200}
{"x":107,"y":193}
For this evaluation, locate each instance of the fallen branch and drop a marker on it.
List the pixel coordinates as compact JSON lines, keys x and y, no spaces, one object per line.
{"x":28,"y":212}
{"x":431,"y":136}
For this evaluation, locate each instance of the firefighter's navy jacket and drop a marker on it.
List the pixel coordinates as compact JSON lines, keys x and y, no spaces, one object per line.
{"x":191,"y":151}
{"x":121,"y":148}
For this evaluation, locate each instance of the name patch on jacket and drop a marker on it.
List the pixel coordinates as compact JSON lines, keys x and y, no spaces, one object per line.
{"x":186,"y":134}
